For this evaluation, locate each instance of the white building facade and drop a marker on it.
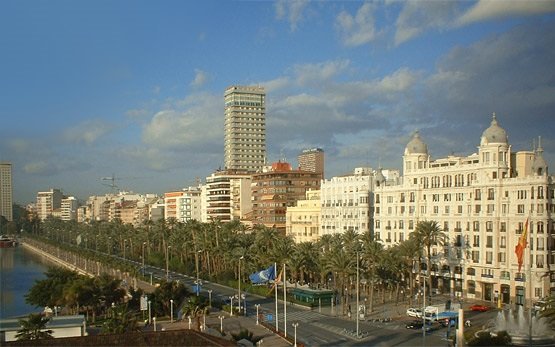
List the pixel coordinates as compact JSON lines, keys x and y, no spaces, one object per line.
{"x":302,"y":222}
{"x":483,"y":203}
{"x":346,"y":203}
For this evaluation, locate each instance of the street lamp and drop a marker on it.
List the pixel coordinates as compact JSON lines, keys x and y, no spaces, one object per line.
{"x":240,"y":284}
{"x":167,"y":263}
{"x":149,"y":312}
{"x":221,"y":324}
{"x":144,"y":244}
{"x":209,"y":297}
{"x":357,"y":311}
{"x":171,"y":310}
{"x":198,"y":281}
{"x":231,"y":303}
{"x":424,"y":312}
{"x":295,"y":325}
{"x":257,"y":306}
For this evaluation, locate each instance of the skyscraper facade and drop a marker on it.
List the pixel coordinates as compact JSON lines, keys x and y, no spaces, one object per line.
{"x":312,"y":160}
{"x":6,"y":191}
{"x":245,"y":128}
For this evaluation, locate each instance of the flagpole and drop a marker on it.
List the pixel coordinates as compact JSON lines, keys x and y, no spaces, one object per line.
{"x":276,"y":295}
{"x":530,"y":257}
{"x":284,"y":302}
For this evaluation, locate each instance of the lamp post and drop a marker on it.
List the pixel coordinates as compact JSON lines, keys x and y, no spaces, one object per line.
{"x":149,"y":313}
{"x":221,"y":324}
{"x":231,"y":303}
{"x":124,"y":244}
{"x":171,"y":310}
{"x":167,"y":263}
{"x":357,"y":311}
{"x":198,"y":281}
{"x":209,"y":297}
{"x":295,"y":325}
{"x":144,"y":244}
{"x":239,"y":296}
{"x":257,"y":306}
{"x":424,"y":312}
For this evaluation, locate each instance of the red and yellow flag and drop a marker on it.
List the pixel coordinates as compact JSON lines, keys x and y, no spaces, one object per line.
{"x":522,"y":243}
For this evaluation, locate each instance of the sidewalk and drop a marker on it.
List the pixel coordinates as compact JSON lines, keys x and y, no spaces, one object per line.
{"x":231,"y":324}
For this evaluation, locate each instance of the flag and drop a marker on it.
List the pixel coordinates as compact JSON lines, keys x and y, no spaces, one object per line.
{"x":522,"y":243}
{"x":263,"y":276}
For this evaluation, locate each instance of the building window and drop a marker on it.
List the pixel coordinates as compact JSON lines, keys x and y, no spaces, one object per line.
{"x":489,"y":241}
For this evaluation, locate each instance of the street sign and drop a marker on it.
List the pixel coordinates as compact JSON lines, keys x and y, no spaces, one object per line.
{"x":144,"y":303}
{"x":269,"y":317}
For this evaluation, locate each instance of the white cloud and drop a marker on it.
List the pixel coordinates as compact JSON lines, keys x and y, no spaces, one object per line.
{"x":137,"y":113}
{"x":417,"y":17}
{"x":358,"y":29}
{"x":314,"y":74}
{"x":292,"y":10}
{"x":275,"y":84}
{"x":38,"y":167}
{"x":88,"y":131}
{"x":190,"y":123}
{"x":400,"y":81}
{"x":491,"y":9}
{"x":200,"y":78}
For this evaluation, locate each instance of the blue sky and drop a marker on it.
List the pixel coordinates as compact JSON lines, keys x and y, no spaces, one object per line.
{"x":135,"y":88}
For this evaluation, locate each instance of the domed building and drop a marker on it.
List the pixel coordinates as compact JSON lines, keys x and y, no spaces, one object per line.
{"x":483,"y":202}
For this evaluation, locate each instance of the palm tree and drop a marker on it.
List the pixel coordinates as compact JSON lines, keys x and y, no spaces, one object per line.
{"x":408,"y":252}
{"x":428,"y":234}
{"x":34,"y":328}
{"x":342,"y":265}
{"x":372,"y":255}
{"x":195,"y":309}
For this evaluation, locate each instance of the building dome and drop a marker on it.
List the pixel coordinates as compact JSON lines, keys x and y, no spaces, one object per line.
{"x":494,"y":134}
{"x":416,"y":145}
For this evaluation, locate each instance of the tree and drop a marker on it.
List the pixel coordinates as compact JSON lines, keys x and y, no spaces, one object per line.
{"x":428,"y":234}
{"x":34,"y":328}
{"x":245,"y":334}
{"x":195,"y":308}
{"x":121,"y":320}
{"x":50,"y":291}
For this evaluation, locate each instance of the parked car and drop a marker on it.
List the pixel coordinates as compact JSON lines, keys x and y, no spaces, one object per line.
{"x":414,"y":312}
{"x":479,"y":308}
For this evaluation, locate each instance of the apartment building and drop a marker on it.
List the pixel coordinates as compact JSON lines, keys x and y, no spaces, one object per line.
{"x":6,"y":191}
{"x":312,"y":160}
{"x":302,"y":222}
{"x":245,"y":128}
{"x":483,"y":203}
{"x":183,"y":205}
{"x":274,"y":191}
{"x":49,"y":203}
{"x":347,"y":202}
{"x":227,"y":196}
{"x":68,"y":208}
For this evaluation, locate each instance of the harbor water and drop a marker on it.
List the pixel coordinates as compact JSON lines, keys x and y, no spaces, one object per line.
{"x":19,"y":269}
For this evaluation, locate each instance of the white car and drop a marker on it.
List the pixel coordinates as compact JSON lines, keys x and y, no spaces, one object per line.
{"x":414,"y":312}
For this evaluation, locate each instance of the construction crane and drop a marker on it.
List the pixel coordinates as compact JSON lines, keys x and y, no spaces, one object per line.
{"x":112,"y":185}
